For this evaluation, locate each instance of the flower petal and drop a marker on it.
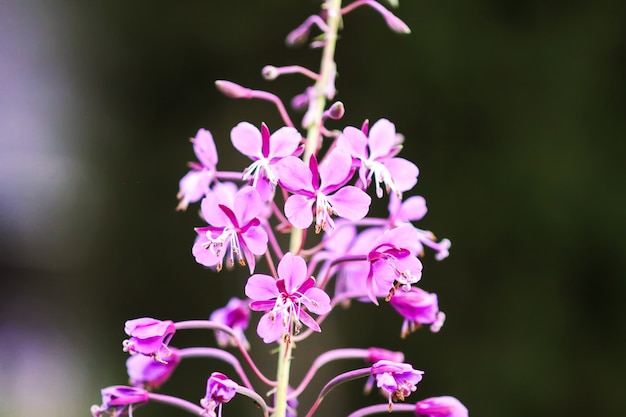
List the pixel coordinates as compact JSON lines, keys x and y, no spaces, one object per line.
{"x":354,"y":141}
{"x":403,"y":173}
{"x":413,"y":208}
{"x":350,"y":203}
{"x":299,"y":211}
{"x":271,"y":327}
{"x":317,"y":301}
{"x":247,"y":205}
{"x":293,"y":270}
{"x":382,"y":138}
{"x":204,"y":148}
{"x":335,"y":170}
{"x":246,"y":138}
{"x":294,"y":175}
{"x":284,"y":142}
{"x":261,"y":287}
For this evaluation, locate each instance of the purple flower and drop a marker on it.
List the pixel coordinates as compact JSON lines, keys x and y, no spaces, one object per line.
{"x":263,"y":149}
{"x":145,"y":372}
{"x":445,"y":406}
{"x":392,"y":261}
{"x":396,"y":379}
{"x":195,"y":184}
{"x":284,"y":299}
{"x":119,"y":400}
{"x":234,"y":228}
{"x":414,"y":209}
{"x":417,"y":307}
{"x":149,"y":337}
{"x":235,"y":315}
{"x":219,"y":390}
{"x":322,"y":186}
{"x":376,"y":154}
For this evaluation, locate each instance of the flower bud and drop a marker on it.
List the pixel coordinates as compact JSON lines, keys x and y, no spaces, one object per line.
{"x":232,"y":90}
{"x":270,"y":72}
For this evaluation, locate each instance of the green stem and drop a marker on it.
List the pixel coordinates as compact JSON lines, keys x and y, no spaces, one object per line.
{"x":327,"y":71}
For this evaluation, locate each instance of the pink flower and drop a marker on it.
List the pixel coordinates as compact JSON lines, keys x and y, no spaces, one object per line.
{"x":234,"y":229}
{"x":392,"y":261}
{"x":219,"y":390}
{"x":195,"y":184}
{"x":418,"y":307}
{"x":119,"y":400}
{"x":324,"y":187}
{"x":235,"y":315}
{"x":145,"y":372}
{"x":264,"y":150}
{"x":284,"y":300}
{"x":414,"y":209}
{"x":397,"y":380}
{"x":149,"y":337}
{"x":376,"y":155}
{"x":445,"y":406}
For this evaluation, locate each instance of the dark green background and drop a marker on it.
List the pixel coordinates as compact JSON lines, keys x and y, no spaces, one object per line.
{"x":514,"y":112}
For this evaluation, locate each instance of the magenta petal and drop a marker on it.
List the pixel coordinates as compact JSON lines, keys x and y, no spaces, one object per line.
{"x":261,"y":287}
{"x":354,"y":141}
{"x":382,"y":138}
{"x":212,"y":213}
{"x":256,"y":240}
{"x":335,"y":170}
{"x":204,"y":148}
{"x":403,"y":173}
{"x":308,"y":321}
{"x":203,"y":255}
{"x":350,"y":203}
{"x":270,"y":327}
{"x":317,"y":301}
{"x":247,"y":205}
{"x":413,"y":208}
{"x":293,"y":270}
{"x":284,"y":142}
{"x":246,"y":138}
{"x":298,"y":210}
{"x":294,"y":175}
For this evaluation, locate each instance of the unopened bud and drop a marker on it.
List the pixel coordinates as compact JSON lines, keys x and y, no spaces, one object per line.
{"x":336,"y":111}
{"x":232,"y":90}
{"x":270,"y":72}
{"x":396,"y":24}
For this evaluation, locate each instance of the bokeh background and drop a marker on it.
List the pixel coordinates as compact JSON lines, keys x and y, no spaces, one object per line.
{"x":514,"y":112}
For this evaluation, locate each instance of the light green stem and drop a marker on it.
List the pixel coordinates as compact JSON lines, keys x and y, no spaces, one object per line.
{"x":316,"y":110}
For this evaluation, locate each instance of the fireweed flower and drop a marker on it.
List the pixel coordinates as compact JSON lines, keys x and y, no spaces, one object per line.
{"x":397,"y":380}
{"x":119,"y":400}
{"x":284,"y":299}
{"x":219,"y":390}
{"x":264,"y":149}
{"x":418,"y":307}
{"x":376,"y":155}
{"x":323,"y":186}
{"x":236,"y":315}
{"x":414,"y":209}
{"x":234,"y":229}
{"x":445,"y":406}
{"x":195,"y":184}
{"x":145,"y":372}
{"x":392,"y":261}
{"x":149,"y":337}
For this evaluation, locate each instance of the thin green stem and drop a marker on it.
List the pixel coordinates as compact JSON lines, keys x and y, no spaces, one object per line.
{"x":313,"y":139}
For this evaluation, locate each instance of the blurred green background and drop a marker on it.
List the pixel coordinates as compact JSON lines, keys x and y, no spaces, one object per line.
{"x":514,"y":112}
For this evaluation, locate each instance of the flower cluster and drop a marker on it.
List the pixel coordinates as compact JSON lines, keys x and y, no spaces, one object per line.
{"x":314,"y":178}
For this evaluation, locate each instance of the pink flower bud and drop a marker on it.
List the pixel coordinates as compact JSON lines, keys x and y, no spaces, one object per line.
{"x":232,"y":90}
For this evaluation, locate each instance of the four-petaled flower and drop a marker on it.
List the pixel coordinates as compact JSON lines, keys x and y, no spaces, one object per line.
{"x":234,"y":227}
{"x":149,"y":337}
{"x":376,"y":155}
{"x":396,"y":379}
{"x":236,"y":315}
{"x":264,"y":149}
{"x":195,"y":184}
{"x":219,"y":390}
{"x":392,"y":261}
{"x":145,"y":372}
{"x":284,"y":299}
{"x":417,"y":307}
{"x":323,"y":186}
{"x":119,"y":400}
{"x":445,"y":406}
